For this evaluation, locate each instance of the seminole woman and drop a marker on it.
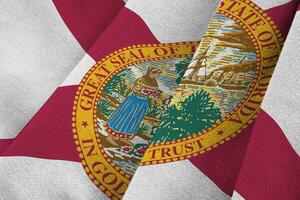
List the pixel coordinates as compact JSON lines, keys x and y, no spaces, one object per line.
{"x":125,"y":121}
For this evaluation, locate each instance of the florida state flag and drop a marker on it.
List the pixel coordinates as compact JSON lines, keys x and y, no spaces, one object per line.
{"x":151,"y":113}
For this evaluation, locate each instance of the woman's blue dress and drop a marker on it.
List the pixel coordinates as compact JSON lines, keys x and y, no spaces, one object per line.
{"x":127,"y":118}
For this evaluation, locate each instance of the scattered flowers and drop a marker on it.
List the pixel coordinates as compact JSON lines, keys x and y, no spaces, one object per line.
{"x":126,"y":149}
{"x":140,"y":150}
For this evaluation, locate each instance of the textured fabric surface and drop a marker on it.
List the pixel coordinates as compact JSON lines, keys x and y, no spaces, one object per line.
{"x":177,"y":180}
{"x":270,"y":3}
{"x":35,"y":179}
{"x":223,"y":173}
{"x":188,"y":24}
{"x":37,"y":53}
{"x":282,"y":98}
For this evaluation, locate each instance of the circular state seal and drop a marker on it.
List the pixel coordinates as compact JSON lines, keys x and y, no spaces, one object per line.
{"x":118,"y":107}
{"x":158,"y":103}
{"x":223,"y":87}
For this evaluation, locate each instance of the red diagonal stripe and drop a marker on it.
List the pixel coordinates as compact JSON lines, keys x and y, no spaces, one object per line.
{"x":88,"y":19}
{"x":49,"y":132}
{"x":283,"y":15}
{"x":127,"y":29}
{"x":4,"y":143}
{"x":271,"y":167}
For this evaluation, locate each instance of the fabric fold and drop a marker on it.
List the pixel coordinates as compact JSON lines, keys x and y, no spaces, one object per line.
{"x":149,"y":113}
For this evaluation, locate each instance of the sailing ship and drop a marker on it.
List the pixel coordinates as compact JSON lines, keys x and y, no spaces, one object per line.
{"x":216,"y":77}
{"x":231,"y":83}
{"x":200,"y":62}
